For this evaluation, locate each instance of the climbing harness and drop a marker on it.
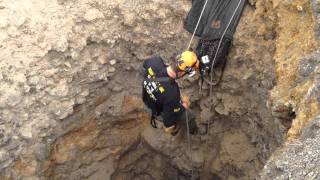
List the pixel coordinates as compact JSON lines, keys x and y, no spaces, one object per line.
{"x":153,"y":121}
{"x":160,"y":79}
{"x":153,"y":117}
{"x":195,"y":30}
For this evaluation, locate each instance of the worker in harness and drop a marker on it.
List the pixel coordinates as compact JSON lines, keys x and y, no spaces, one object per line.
{"x":161,"y":93}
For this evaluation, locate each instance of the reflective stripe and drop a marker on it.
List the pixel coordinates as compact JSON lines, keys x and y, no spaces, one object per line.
{"x":176,"y":110}
{"x":161,"y":89}
{"x":150,"y":71}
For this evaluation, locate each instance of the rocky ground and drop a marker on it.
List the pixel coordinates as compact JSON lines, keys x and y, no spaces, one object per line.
{"x":299,"y":160}
{"x":70,"y":103}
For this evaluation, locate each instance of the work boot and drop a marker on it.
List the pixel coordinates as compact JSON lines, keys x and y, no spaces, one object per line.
{"x":176,"y":129}
{"x":173,"y":130}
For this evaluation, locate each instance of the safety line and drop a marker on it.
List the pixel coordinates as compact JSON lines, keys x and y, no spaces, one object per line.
{"x":195,"y":30}
{"x":189,"y":144}
{"x":211,"y":77}
{"x":216,"y":54}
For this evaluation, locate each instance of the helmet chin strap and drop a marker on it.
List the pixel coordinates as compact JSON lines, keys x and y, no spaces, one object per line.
{"x":192,"y":73}
{"x":176,"y":72}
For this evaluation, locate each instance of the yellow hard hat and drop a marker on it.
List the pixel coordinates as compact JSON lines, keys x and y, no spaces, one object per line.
{"x":187,"y":60}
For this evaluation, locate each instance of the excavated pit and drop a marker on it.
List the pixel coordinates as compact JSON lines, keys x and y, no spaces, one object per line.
{"x":71,"y":98}
{"x":110,"y":136}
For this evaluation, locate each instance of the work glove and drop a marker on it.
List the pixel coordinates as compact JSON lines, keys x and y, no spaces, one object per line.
{"x":185,"y":101}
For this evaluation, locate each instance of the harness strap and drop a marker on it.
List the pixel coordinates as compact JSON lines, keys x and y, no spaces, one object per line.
{"x":153,"y":121}
{"x":160,"y":80}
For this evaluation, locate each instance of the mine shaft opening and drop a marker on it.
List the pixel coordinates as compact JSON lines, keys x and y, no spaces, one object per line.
{"x":244,"y":133}
{"x":111,"y":137}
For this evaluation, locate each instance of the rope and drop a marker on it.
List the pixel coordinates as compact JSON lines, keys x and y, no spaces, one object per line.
{"x":216,"y":54}
{"x":211,"y":75}
{"x":195,"y":30}
{"x":189,"y":144}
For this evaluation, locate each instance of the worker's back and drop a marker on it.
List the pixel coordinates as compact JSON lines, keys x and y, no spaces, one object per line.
{"x":161,"y":93}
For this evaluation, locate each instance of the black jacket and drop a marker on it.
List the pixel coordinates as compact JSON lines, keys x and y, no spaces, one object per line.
{"x":215,"y":18}
{"x":163,"y":98}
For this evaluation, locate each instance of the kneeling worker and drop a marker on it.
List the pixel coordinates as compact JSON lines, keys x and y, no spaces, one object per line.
{"x":161,"y":94}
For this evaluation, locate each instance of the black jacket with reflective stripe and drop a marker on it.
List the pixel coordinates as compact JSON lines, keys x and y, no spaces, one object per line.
{"x":160,"y":95}
{"x":215,"y":19}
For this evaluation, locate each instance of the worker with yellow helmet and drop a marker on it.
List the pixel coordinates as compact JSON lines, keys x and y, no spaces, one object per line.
{"x":161,"y":93}
{"x":187,"y":62}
